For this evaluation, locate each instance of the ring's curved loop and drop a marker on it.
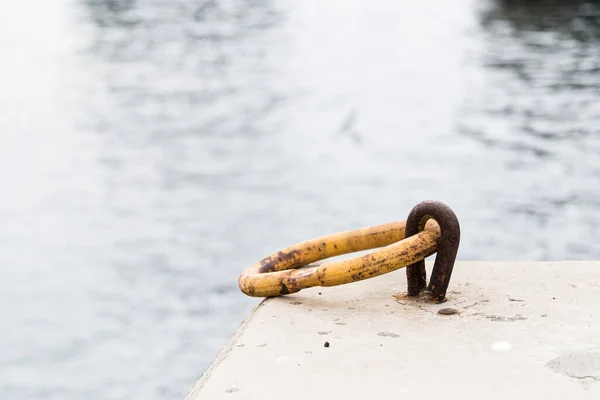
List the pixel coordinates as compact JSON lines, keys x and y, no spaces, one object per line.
{"x":446,"y":250}
{"x":278,"y":274}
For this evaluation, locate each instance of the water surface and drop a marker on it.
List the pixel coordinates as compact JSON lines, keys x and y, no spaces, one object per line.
{"x":151,"y":150}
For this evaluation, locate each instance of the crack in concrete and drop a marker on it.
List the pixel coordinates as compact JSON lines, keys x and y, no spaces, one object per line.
{"x":584,"y":377}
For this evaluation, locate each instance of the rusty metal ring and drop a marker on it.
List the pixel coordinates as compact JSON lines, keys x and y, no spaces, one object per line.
{"x":446,"y":250}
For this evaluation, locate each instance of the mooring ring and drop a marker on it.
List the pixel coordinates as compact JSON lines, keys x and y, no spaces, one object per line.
{"x":288,"y":271}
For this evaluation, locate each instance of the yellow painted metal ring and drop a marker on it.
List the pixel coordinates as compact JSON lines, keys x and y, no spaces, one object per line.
{"x":282,"y":273}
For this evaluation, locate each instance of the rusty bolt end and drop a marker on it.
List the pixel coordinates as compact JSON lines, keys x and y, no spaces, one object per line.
{"x":440,"y":300}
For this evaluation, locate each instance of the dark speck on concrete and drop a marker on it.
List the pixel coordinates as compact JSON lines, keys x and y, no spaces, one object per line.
{"x":326,"y":344}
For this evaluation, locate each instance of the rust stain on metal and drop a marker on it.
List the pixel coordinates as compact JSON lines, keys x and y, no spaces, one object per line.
{"x":280,"y":260}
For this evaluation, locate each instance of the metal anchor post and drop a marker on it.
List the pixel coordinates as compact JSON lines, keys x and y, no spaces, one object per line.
{"x":446,"y":250}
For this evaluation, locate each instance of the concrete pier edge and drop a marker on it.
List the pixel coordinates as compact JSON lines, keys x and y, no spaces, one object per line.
{"x":229,"y":346}
{"x":523,"y":330}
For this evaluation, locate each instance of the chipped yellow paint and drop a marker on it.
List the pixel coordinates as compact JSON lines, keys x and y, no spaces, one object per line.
{"x":282,"y":272}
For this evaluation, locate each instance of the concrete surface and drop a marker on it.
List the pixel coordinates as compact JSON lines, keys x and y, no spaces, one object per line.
{"x":523,"y":331}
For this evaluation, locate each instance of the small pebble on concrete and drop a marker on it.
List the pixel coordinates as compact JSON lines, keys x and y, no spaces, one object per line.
{"x":448,"y":311}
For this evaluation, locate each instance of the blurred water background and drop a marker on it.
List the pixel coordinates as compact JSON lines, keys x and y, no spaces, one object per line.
{"x":150,"y":150}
